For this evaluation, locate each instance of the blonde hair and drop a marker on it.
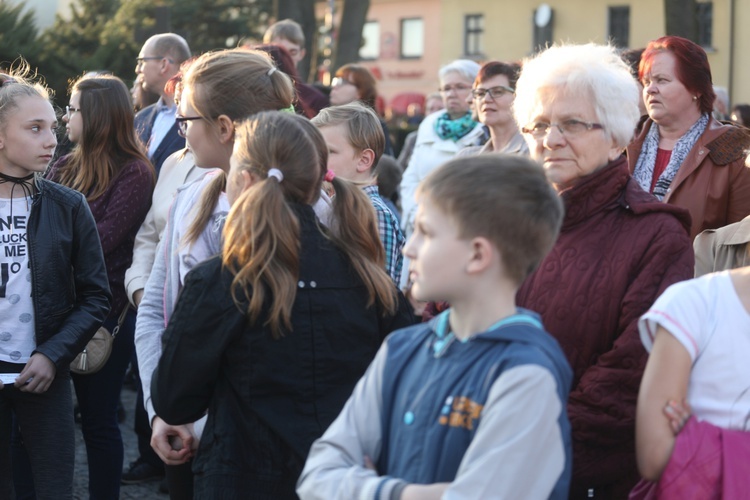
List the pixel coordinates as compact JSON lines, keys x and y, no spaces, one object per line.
{"x":17,"y":83}
{"x":236,"y":83}
{"x":363,"y":129}
{"x":262,"y":231}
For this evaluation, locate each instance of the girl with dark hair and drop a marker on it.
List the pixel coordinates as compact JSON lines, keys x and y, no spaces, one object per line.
{"x":54,"y":292}
{"x":109,"y":167}
{"x":285,"y":293}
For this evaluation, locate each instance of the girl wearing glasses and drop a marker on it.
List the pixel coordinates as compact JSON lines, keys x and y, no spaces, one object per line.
{"x":54,"y":292}
{"x":272,"y":335}
{"x":618,"y":249}
{"x":217,"y":90}
{"x":108,"y":165}
{"x":493,"y":94}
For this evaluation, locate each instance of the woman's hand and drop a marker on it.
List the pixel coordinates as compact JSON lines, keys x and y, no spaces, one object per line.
{"x":37,"y":375}
{"x":677,"y":413}
{"x":173,"y":443}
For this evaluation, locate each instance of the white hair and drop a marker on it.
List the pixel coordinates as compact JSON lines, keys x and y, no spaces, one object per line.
{"x":464,"y":67}
{"x":590,"y":71}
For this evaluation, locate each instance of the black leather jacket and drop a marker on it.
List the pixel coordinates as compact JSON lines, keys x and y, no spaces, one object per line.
{"x":69,"y":285}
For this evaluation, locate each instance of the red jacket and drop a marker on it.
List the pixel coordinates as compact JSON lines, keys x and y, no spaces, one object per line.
{"x":618,"y":250}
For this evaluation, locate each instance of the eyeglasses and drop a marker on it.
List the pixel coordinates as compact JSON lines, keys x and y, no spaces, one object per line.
{"x":494,"y":92}
{"x":568,"y":128}
{"x":69,"y":111}
{"x":454,"y":88}
{"x":338,"y":82}
{"x":140,"y":61}
{"x":182,"y":122}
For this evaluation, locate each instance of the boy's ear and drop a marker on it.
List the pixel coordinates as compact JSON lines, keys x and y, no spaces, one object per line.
{"x":482,"y":255}
{"x":366,"y":160}
{"x":226,"y":129}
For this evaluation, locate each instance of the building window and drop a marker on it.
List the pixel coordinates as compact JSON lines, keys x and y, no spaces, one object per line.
{"x":412,"y":38}
{"x":370,"y":48}
{"x":704,"y":13}
{"x":543,"y":22}
{"x":474,"y":35}
{"x":619,"y":26}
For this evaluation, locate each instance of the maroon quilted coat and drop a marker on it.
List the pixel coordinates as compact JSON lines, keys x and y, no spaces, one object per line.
{"x":618,"y":250}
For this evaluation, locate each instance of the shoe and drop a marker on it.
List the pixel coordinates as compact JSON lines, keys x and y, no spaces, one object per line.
{"x":141,"y":471}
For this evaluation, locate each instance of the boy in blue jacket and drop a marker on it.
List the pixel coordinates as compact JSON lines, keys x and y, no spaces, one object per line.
{"x":471,"y":404}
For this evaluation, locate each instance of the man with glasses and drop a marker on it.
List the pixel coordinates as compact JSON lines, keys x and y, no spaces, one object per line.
{"x":158,"y":61}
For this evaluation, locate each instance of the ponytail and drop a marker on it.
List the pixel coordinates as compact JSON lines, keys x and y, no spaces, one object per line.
{"x":262,"y":231}
{"x":262,"y":251}
{"x":356,"y":233}
{"x":209,"y":199}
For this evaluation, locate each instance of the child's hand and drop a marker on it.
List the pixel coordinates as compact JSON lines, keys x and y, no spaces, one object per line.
{"x":37,"y":375}
{"x":677,"y":413}
{"x":173,"y":443}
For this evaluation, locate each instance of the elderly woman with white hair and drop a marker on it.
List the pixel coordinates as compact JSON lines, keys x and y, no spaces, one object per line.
{"x":618,"y":250}
{"x":442,"y":134}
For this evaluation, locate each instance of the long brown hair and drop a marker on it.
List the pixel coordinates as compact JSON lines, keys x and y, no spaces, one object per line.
{"x":108,"y":141}
{"x":262,"y":232}
{"x":236,"y":83}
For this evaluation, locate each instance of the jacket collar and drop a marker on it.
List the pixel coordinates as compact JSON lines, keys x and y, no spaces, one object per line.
{"x":595,"y":192}
{"x":693,"y":160}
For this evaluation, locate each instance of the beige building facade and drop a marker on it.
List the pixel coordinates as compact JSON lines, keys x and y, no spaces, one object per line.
{"x":510,"y":30}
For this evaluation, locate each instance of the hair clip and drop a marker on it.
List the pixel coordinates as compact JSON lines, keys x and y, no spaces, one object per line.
{"x":276,"y":173}
{"x":271,"y":71}
{"x":330,"y":175}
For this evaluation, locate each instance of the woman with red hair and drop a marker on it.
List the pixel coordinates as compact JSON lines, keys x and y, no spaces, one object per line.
{"x":682,"y":155}
{"x":353,"y":82}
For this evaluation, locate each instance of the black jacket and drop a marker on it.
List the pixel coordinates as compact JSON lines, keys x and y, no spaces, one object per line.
{"x":267,"y":399}
{"x":69,"y":286}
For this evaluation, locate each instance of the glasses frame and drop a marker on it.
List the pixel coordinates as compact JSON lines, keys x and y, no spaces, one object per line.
{"x":560,"y":126}
{"x":69,"y":111}
{"x":182,"y":122}
{"x":500,"y":90}
{"x":140,"y":61}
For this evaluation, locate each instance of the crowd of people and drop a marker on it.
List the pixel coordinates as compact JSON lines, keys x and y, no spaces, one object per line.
{"x":546,"y":296}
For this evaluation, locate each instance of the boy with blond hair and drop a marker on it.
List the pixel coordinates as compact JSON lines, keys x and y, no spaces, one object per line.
{"x":473,"y":403}
{"x":355,"y":144}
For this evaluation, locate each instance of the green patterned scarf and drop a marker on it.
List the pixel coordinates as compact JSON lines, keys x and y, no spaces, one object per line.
{"x":453,"y":130}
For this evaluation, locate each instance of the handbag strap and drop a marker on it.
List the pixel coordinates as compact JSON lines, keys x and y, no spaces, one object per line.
{"x":120,"y":320}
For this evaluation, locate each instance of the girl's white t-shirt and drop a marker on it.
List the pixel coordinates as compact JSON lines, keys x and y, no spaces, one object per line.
{"x":17,"y":340}
{"x":706,"y":316}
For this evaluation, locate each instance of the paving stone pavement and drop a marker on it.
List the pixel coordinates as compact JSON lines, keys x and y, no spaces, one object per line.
{"x":142,"y":491}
